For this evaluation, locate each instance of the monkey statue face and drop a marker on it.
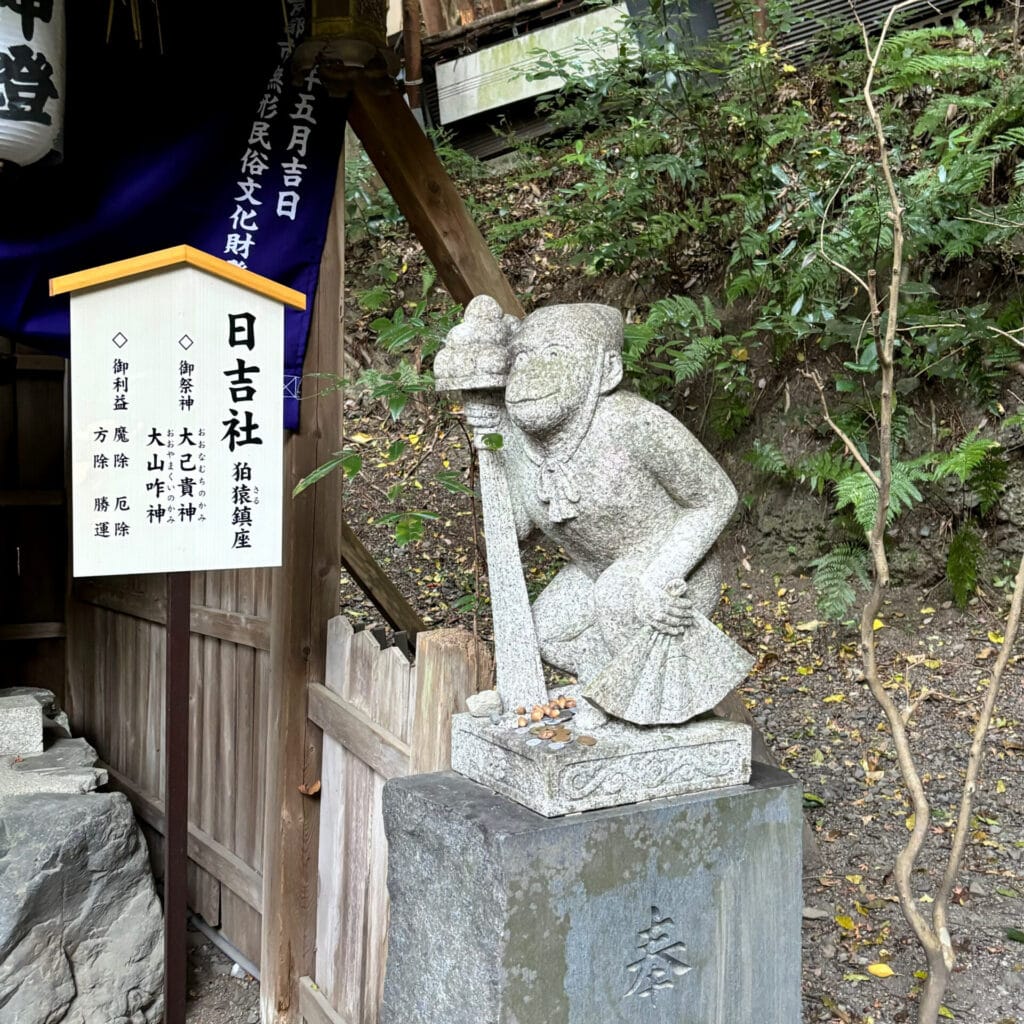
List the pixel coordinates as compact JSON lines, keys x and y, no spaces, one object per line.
{"x":549,"y":379}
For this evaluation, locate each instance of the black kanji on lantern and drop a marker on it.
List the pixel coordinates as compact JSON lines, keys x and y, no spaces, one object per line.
{"x":26,"y":84}
{"x":30,"y":10}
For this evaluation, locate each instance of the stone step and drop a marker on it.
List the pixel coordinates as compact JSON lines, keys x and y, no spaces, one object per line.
{"x":21,"y":726}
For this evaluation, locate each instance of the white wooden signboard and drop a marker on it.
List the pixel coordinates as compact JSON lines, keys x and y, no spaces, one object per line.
{"x":176,"y":408}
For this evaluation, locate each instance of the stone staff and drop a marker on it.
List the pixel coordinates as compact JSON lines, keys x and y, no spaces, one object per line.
{"x":474,"y":360}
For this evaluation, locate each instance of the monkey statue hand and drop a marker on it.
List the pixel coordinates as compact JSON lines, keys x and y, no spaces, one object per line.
{"x":664,"y":606}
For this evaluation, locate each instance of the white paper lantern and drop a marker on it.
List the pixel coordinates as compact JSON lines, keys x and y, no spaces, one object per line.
{"x":31,"y":78}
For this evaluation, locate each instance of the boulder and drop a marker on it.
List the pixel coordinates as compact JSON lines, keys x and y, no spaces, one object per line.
{"x":80,"y":923}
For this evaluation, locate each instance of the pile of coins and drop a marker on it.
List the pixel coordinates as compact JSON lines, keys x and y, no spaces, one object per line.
{"x":549,"y":724}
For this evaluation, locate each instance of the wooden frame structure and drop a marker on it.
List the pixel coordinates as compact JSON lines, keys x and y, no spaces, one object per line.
{"x":258,"y":637}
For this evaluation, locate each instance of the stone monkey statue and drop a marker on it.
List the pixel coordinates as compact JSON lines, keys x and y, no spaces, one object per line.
{"x":629,"y":494}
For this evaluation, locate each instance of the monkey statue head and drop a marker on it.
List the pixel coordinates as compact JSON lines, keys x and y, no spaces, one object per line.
{"x":562,"y":359}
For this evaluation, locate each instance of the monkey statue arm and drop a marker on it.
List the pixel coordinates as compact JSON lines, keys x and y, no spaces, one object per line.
{"x":705,"y":498}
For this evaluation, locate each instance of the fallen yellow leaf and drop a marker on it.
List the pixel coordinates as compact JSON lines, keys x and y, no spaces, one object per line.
{"x":856,"y":879}
{"x":834,"y":698}
{"x":932,"y":663}
{"x":911,"y":821}
{"x":878,"y":624}
{"x":361,"y":438}
{"x":1000,"y":786}
{"x":881,"y":970}
{"x":995,"y":638}
{"x":808,"y":627}
{"x":845,"y":921}
{"x":927,"y":611}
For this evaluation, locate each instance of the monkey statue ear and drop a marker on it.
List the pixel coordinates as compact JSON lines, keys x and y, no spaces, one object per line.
{"x":611,"y":374}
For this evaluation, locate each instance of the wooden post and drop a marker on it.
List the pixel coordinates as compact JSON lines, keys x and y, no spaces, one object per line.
{"x":179,"y":604}
{"x":305,"y":597}
{"x":413,"y":53}
{"x":451,"y":665}
{"x":426,"y":195}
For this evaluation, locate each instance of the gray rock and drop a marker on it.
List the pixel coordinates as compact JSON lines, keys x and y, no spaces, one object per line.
{"x":484,"y":704}
{"x":672,"y":910}
{"x":21,"y":725}
{"x":66,"y":766}
{"x":80,"y":923}
{"x":54,"y":720}
{"x":624,"y":488}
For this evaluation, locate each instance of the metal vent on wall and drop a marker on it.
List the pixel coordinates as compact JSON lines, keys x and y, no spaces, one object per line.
{"x":814,"y":17}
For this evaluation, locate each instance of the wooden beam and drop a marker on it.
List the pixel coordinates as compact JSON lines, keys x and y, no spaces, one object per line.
{"x":234,"y":627}
{"x":32,"y":631}
{"x":377,"y":585}
{"x":359,"y":734}
{"x":434,"y":20}
{"x":227,"y":867}
{"x":305,"y":597}
{"x":315,"y":1009}
{"x":426,"y":195}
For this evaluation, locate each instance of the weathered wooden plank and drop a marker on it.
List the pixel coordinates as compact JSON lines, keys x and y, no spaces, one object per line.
{"x":243,"y":719}
{"x":225,"y":782}
{"x":333,"y":818}
{"x":426,"y":195}
{"x":350,"y":726}
{"x":314,"y":1007}
{"x":203,"y":848}
{"x":32,"y":630}
{"x":451,"y":664}
{"x":305,"y":597}
{"x":377,"y":585}
{"x":240,"y":924}
{"x":392,"y":694}
{"x":217,"y":623}
{"x":356,"y":792}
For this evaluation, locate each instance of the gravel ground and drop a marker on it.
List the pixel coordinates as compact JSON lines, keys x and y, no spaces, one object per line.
{"x":215,"y":994}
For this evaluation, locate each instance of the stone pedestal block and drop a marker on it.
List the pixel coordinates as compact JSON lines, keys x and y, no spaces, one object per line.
{"x":664,"y":912}
{"x":626,"y":765}
{"x":21,"y":725}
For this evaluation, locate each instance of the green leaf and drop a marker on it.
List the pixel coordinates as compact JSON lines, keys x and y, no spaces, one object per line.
{"x":350,"y":463}
{"x":1015,"y":934}
{"x":395,"y":451}
{"x":396,"y":403}
{"x":450,"y":480}
{"x":494,"y":442}
{"x":814,"y":800}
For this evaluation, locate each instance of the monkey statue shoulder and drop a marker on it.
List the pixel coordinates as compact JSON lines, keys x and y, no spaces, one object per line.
{"x":630,"y":495}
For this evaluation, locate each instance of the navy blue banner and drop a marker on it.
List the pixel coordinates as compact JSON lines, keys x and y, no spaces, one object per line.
{"x":209,"y":144}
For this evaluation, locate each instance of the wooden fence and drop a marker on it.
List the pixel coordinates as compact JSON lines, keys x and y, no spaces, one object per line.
{"x":116,"y":696}
{"x":382,"y":717}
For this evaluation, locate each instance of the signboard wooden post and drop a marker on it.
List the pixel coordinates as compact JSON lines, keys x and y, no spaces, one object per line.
{"x":177,"y":364}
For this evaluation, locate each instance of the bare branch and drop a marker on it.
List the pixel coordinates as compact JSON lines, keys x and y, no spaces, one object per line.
{"x":821,"y":234}
{"x":1008,"y":335}
{"x":963,"y":824}
{"x":839,"y":432}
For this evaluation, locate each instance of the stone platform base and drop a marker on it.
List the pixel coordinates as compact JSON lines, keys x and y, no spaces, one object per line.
{"x":662,"y":912}
{"x":627,"y":763}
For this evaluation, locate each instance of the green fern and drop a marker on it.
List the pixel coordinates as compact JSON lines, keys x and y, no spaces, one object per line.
{"x":820,"y":469}
{"x":835,"y":575}
{"x":962,"y":564}
{"x":857,"y":491}
{"x":968,"y":455}
{"x":767,"y":459}
{"x":988,"y":480}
